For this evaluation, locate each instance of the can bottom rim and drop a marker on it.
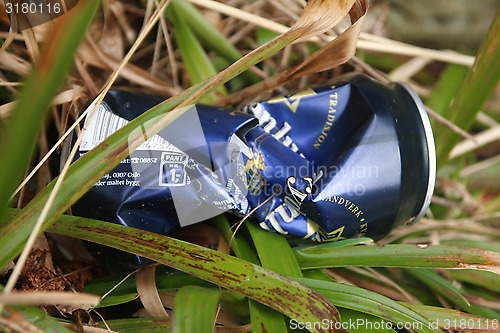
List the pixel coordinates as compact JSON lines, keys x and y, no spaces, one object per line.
{"x":431,"y":149}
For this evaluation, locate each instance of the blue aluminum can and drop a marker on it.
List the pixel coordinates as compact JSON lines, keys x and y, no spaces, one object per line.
{"x":354,"y":158}
{"x":373,"y":153}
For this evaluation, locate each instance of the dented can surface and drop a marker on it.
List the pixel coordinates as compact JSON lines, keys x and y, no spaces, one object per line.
{"x":350,"y":159}
{"x":373,"y":153}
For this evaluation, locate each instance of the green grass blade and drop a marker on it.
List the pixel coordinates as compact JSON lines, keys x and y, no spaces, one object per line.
{"x":137,"y":325}
{"x":443,"y":93}
{"x":474,"y":91}
{"x":450,"y":319}
{"x":485,"y":245}
{"x":358,"y":322}
{"x":440,"y":285}
{"x":351,"y":320}
{"x":482,"y":310}
{"x":274,"y":251}
{"x":238,"y":243}
{"x":194,"y":57}
{"x":17,"y":135}
{"x":276,"y":254}
{"x":399,"y":255}
{"x":195,"y":310}
{"x":340,"y":243}
{"x":35,"y":316}
{"x":479,"y":278}
{"x":209,"y":35}
{"x":264,"y":319}
{"x":365,"y":301}
{"x":258,"y":283}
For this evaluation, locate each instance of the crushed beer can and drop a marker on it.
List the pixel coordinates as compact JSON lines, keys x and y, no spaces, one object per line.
{"x":355,"y":158}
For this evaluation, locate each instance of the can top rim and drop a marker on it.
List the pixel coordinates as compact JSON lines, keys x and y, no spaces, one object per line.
{"x":431,"y":149}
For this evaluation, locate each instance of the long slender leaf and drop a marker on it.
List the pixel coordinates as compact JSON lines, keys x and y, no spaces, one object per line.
{"x":137,"y":325}
{"x":237,"y":241}
{"x":400,"y":255}
{"x":268,"y":245}
{"x":264,"y":319}
{"x":274,"y":251}
{"x":358,"y":322}
{"x":482,"y":279}
{"x":365,"y":301}
{"x":18,"y":134}
{"x":208,"y":34}
{"x":477,"y":87}
{"x":443,"y":93}
{"x":450,"y":319}
{"x":258,"y":283}
{"x":194,"y":57}
{"x":440,"y":285}
{"x":195,"y":310}
{"x":34,"y":315}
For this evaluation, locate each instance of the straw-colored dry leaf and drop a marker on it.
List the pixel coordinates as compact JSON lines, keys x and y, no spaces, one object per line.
{"x":335,"y":53}
{"x":66,"y":96}
{"x":148,"y":294}
{"x":93,"y":55}
{"x":109,"y":38}
{"x":11,"y":62}
{"x":234,"y":329}
{"x":118,"y":10}
{"x":317,"y":17}
{"x":87,"y":329}
{"x":84,"y":301}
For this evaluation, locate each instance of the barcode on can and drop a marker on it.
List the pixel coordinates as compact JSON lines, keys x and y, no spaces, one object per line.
{"x":104,"y":123}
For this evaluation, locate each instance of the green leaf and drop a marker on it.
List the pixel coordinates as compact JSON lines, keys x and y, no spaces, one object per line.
{"x":368,"y":302}
{"x":137,"y":325}
{"x":489,"y":246}
{"x":264,"y":35}
{"x":194,"y":57}
{"x":475,"y":89}
{"x":237,"y":241}
{"x":34,"y":315}
{"x":17,"y":135}
{"x":264,"y":319}
{"x":195,"y":310}
{"x":440,"y":285}
{"x":399,"y":255}
{"x":274,"y":251}
{"x":443,"y":93}
{"x":209,"y":35}
{"x":340,"y":243}
{"x":258,"y":283}
{"x":276,"y":254}
{"x":453,"y":319}
{"x":479,"y":278}
{"x":358,"y":322}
